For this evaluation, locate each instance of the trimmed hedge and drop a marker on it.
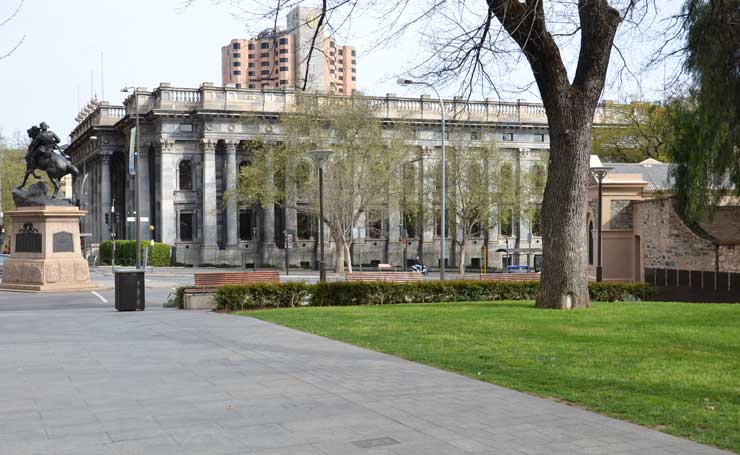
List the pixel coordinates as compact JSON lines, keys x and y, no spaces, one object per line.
{"x":158,"y":256}
{"x":252,"y":296}
{"x":291,"y":294}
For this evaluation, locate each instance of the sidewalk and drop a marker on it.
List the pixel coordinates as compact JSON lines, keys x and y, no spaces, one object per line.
{"x":96,"y":382}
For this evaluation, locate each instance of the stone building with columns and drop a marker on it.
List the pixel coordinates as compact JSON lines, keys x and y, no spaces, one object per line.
{"x":194,"y":140}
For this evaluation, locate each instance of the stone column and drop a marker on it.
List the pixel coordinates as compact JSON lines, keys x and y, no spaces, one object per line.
{"x":268,"y":219}
{"x":209,"y":244}
{"x":105,"y":196}
{"x":167,"y":218}
{"x":230,"y":178}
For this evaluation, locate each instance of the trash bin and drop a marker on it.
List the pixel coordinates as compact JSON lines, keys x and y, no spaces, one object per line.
{"x":129,"y":289}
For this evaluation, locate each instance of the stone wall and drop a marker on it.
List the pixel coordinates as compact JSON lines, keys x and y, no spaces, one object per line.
{"x":666,"y":241}
{"x":724,"y":225}
{"x":729,"y":258}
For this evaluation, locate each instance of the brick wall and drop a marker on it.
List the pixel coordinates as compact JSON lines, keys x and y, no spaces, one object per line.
{"x":666,"y":241}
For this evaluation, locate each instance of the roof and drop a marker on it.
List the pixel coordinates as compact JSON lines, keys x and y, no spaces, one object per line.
{"x":658,"y":176}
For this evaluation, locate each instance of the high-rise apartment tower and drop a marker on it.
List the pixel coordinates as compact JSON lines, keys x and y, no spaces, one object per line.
{"x":278,"y":58}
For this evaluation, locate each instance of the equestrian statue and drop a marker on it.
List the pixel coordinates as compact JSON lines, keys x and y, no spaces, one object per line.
{"x":45,"y":154}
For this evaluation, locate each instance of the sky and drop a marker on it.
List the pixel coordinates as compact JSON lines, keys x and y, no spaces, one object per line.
{"x":58,"y":68}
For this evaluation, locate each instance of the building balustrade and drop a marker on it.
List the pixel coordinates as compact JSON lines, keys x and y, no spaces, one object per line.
{"x":211,"y":98}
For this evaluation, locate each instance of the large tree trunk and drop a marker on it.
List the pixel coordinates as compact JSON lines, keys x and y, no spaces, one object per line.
{"x":564,"y":284}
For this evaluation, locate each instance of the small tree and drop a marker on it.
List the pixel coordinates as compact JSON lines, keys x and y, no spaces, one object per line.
{"x":361,"y":173}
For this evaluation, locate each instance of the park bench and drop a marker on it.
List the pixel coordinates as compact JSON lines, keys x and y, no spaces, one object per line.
{"x":200,"y":297}
{"x":509,"y":277}
{"x":390,"y":277}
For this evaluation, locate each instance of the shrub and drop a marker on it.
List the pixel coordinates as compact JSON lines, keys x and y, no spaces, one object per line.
{"x":251,"y":296}
{"x":383,"y":293}
{"x":180,"y":296}
{"x":158,"y":256}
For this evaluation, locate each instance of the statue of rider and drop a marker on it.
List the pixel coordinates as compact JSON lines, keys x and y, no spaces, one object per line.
{"x":44,"y":141}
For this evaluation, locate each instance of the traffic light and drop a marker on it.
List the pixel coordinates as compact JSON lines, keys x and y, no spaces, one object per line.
{"x":107,"y":218}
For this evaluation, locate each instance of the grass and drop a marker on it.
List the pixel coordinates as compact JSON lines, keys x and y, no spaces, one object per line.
{"x":671,"y":366}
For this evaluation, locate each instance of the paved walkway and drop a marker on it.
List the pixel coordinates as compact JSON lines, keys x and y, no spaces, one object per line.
{"x":93,"y":381}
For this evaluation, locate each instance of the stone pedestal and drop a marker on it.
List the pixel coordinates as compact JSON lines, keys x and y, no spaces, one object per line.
{"x":45,"y":251}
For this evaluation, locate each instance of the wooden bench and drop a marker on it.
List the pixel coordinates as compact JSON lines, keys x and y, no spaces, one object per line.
{"x":218,"y":279}
{"x":509,"y":277}
{"x":390,"y":277}
{"x":200,"y":297}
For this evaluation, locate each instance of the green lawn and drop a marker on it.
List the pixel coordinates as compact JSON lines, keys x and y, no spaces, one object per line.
{"x":671,"y":366}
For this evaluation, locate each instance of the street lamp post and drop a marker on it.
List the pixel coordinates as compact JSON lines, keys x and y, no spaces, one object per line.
{"x":405,"y":82}
{"x":136,"y":177}
{"x":599,"y":173}
{"x":320,"y":156}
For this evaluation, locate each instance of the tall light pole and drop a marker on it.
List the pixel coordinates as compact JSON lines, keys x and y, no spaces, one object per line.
{"x":405,"y":82}
{"x":599,"y":173}
{"x":136,"y":177}
{"x":320,"y":156}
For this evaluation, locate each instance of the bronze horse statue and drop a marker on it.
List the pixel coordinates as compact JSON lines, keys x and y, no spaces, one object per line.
{"x":44,"y":154}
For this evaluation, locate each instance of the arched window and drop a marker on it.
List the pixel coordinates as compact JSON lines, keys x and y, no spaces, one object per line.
{"x":506,"y":179}
{"x":185,"y":174}
{"x":590,"y":243}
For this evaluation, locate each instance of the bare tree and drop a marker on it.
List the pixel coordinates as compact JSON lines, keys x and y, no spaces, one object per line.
{"x":469,"y":40}
{"x":4,"y":23}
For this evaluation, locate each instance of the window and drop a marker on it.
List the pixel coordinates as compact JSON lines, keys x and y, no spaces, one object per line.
{"x":283,"y":59}
{"x":340,"y":60}
{"x":341,"y":78}
{"x":185,"y":174}
{"x":375,"y":224}
{"x":353,"y":54}
{"x":283,"y":81}
{"x":186,"y":226}
{"x":283,"y":51}
{"x":449,"y":221}
{"x":237,"y":73}
{"x":341,"y":70}
{"x":236,"y":55}
{"x":265,"y":64}
{"x":331,"y":44}
{"x":331,"y":71}
{"x":331,"y":54}
{"x":307,"y":224}
{"x":283,"y":41}
{"x":251,"y":74}
{"x":250,"y":55}
{"x":354,"y":70}
{"x":265,"y":72}
{"x":506,"y":221}
{"x":237,"y":63}
{"x":341,"y":52}
{"x":507,"y":137}
{"x":250,"y":64}
{"x":247,"y":224}
{"x":283,"y":68}
{"x":506,"y":179}
{"x":265,"y":45}
{"x":264,"y":55}
{"x":251,"y":86}
{"x":238,"y":85}
{"x":538,"y":178}
{"x":235,"y":46}
{"x":535,"y":226}
{"x":354,"y":78}
{"x":354,"y":62}
{"x":250,"y":46}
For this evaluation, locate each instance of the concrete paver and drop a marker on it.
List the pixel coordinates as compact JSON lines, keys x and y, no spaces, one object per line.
{"x":93,"y":381}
